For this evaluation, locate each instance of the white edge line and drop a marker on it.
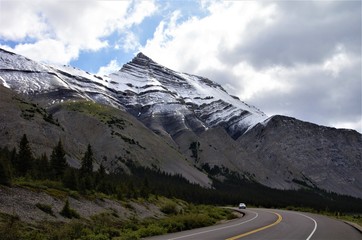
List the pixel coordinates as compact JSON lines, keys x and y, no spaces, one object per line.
{"x":216,"y":229}
{"x":315,"y":225}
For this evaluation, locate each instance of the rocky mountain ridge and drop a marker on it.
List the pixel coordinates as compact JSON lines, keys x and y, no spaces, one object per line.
{"x":194,"y":102}
{"x":146,"y":89}
{"x":175,"y":122}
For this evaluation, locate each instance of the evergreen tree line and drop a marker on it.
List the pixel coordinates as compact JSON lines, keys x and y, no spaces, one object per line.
{"x":144,"y":181}
{"x":235,"y":189}
{"x":22,"y":163}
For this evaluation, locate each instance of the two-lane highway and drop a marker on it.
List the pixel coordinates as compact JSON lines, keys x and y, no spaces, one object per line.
{"x":271,"y":224}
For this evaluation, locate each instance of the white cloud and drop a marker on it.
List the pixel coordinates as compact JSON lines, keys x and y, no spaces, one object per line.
{"x":301,"y":59}
{"x":140,"y":10}
{"x":357,"y":125}
{"x":253,"y":82}
{"x":77,"y":25}
{"x":338,"y":62}
{"x":48,"y":50}
{"x":130,"y":42}
{"x":111,"y":67}
{"x":20,"y":20}
{"x":204,"y":38}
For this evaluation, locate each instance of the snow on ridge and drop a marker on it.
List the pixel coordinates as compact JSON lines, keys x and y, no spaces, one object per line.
{"x":204,"y":91}
{"x":141,"y":82}
{"x":4,"y":83}
{"x":12,"y":61}
{"x":190,"y":89}
{"x":81,"y":73}
{"x":209,"y":94}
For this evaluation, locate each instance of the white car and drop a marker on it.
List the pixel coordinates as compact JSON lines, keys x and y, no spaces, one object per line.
{"x":242,"y":205}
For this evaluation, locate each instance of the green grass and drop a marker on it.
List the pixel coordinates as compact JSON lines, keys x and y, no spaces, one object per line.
{"x":56,"y":189}
{"x":68,"y":212}
{"x":29,"y":111}
{"x":354,"y":218}
{"x":350,"y":217}
{"x":53,"y":188}
{"x":45,"y":208}
{"x":88,"y":107}
{"x":103,"y":113}
{"x":193,"y":216}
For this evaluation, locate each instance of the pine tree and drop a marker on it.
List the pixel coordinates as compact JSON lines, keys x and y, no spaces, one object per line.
{"x":58,"y":163}
{"x":41,"y":168}
{"x":70,"y":179}
{"x":145,"y":188}
{"x":101,"y":173}
{"x":86,"y":178}
{"x":5,"y":177}
{"x":69,"y":212}
{"x":24,"y":159}
{"x":13,"y":157}
{"x":87,"y":162}
{"x":100,"y":181}
{"x":131,"y":191}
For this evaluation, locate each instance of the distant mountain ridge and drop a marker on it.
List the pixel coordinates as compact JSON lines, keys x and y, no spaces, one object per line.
{"x":176,"y":122}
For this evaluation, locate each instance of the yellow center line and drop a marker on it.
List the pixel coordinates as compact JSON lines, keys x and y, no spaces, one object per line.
{"x":258,"y":229}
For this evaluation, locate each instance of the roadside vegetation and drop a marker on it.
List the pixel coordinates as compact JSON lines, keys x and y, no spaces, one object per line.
{"x":353,"y":217}
{"x":184,"y":205}
{"x":109,"y":226}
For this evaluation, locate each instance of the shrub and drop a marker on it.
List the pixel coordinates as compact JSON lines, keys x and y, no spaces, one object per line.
{"x":94,"y":236}
{"x":45,"y":208}
{"x":71,"y":230}
{"x":151,"y":230}
{"x":68,"y":212}
{"x":10,"y":226}
{"x":195,"y":221}
{"x":169,"y":208}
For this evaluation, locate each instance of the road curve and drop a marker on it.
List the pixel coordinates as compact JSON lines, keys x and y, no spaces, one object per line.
{"x":271,"y":224}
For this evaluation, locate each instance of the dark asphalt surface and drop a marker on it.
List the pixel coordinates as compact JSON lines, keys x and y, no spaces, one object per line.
{"x":272,"y":224}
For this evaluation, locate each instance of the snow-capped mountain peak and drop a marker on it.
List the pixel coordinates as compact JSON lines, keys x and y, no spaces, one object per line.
{"x":163,"y":99}
{"x":164,"y":90}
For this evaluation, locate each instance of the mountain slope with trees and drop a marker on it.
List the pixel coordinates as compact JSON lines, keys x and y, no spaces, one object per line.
{"x":174,"y":122}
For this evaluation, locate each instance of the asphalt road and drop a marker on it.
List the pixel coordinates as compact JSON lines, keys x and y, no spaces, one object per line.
{"x":272,"y":224}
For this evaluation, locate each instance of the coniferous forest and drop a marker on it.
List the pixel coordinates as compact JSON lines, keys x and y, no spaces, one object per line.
{"x":20,"y":162}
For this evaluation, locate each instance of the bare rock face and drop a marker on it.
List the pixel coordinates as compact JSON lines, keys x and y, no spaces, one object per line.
{"x":306,"y":154}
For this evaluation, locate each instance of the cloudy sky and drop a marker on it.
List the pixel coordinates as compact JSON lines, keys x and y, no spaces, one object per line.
{"x":296,"y":58}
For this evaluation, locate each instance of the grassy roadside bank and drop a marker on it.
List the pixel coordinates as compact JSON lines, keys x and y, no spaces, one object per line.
{"x":69,"y":222}
{"x":175,"y":215}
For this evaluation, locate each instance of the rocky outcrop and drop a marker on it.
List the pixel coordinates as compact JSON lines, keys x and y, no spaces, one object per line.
{"x":306,"y":154}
